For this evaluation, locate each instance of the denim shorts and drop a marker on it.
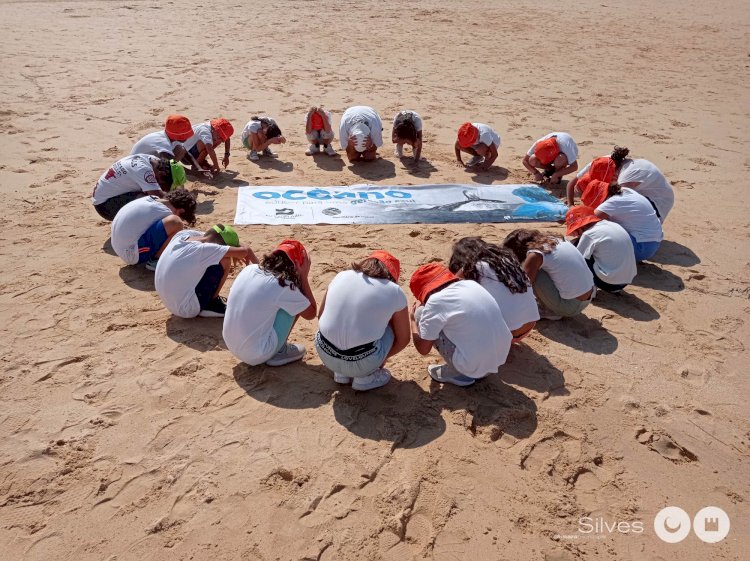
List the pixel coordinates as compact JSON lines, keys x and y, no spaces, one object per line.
{"x":358,"y":367}
{"x":151,"y":241}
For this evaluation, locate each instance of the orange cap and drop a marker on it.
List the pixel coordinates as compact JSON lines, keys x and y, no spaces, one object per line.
{"x":546,"y":150}
{"x":603,"y":169}
{"x":595,"y":193}
{"x":223,"y":128}
{"x":178,"y":128}
{"x":428,"y":278}
{"x":468,"y":135}
{"x":578,"y":217}
{"x":389,"y":261}
{"x":294,"y":250}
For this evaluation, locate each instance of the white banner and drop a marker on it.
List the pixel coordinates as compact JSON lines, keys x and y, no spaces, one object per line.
{"x":397,"y":204}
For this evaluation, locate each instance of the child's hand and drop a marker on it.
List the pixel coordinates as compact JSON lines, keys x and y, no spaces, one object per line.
{"x":460,"y":164}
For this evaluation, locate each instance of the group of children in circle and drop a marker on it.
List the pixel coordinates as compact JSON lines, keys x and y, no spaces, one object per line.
{"x":488,"y":297}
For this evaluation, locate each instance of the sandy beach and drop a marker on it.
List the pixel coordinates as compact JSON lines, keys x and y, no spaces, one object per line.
{"x":129,"y":434}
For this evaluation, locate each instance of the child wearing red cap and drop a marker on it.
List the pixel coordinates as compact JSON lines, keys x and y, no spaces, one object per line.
{"x":363,"y":322}
{"x":168,"y":143}
{"x":605,"y":246}
{"x":194,"y":267}
{"x":605,"y":168}
{"x":264,"y":304}
{"x":479,"y":140}
{"x":319,"y":131}
{"x":562,"y":282}
{"x":498,"y":271}
{"x":462,"y":321}
{"x":206,"y":137}
{"x":258,"y":136}
{"x":552,"y":157}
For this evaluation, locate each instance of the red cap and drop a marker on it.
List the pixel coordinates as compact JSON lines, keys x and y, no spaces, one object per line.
{"x":390,"y":262}
{"x":428,"y":278}
{"x":178,"y":128}
{"x":546,"y":150}
{"x":294,"y":250}
{"x":223,"y":128}
{"x":595,"y":193}
{"x":468,"y":135}
{"x":578,"y":217}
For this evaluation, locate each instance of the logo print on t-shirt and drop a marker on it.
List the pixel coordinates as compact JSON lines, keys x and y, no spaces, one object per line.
{"x":110,"y":174}
{"x":150,"y":178}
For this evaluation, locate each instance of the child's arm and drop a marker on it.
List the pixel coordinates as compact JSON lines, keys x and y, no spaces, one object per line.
{"x":326,"y":121}
{"x":532,"y":264}
{"x":490,"y":156}
{"x":458,"y":154}
{"x":532,"y":170}
{"x":570,"y":192}
{"x":570,"y":168}
{"x":243,"y":253}
{"x":227,"y":150}
{"x":418,"y":147}
{"x":308,"y":120}
{"x":400,"y":324}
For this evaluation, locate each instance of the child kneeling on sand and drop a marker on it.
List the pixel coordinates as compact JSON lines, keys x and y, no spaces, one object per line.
{"x":319,"y":131}
{"x":194,"y":267}
{"x":462,"y":321}
{"x":206,"y":138}
{"x":144,"y":227}
{"x":562,"y":282}
{"x":498,"y":271}
{"x":363,"y":322}
{"x":258,"y":135}
{"x":479,"y":140}
{"x":264,"y":304}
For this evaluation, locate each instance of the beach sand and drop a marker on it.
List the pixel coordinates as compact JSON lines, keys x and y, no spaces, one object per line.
{"x":126,"y":433}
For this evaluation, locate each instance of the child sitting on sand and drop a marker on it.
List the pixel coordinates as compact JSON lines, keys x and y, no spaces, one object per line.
{"x":144,"y":227}
{"x":462,"y":321}
{"x":194,"y":267}
{"x":552,"y":157}
{"x":258,"y":135}
{"x":479,"y":140}
{"x":206,"y":137}
{"x":407,"y":129}
{"x":498,"y":271}
{"x":363,"y":322}
{"x":562,"y":282}
{"x":319,"y":131}
{"x":264,"y":304}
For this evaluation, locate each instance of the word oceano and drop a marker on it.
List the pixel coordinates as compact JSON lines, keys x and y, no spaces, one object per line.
{"x":323,"y":195}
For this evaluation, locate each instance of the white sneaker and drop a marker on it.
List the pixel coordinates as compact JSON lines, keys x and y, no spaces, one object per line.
{"x":474,"y":161}
{"x":398,"y":151}
{"x":288,"y":353}
{"x":341,"y":379}
{"x":375,"y":380}
{"x":446,"y":375}
{"x":253,"y":155}
{"x":312,"y":150}
{"x":330,"y":150}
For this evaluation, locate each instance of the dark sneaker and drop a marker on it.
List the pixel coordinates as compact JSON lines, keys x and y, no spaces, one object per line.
{"x":216,"y":309}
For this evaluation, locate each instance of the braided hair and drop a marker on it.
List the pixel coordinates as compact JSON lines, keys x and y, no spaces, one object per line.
{"x":468,"y":252}
{"x":278,"y":264}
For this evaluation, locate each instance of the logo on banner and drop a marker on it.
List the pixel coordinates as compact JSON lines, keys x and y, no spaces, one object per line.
{"x":332,"y":211}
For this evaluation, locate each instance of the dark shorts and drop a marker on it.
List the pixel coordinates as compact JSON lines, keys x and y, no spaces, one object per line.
{"x":599,"y":282}
{"x":109,"y":208}
{"x":150,"y":243}
{"x":209,"y":284}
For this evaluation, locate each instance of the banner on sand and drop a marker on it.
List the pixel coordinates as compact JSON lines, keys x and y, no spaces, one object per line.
{"x":396,"y":204}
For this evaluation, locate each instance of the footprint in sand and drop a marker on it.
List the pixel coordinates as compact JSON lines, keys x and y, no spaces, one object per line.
{"x":552,"y":453}
{"x":665,"y":446}
{"x":702,"y":161}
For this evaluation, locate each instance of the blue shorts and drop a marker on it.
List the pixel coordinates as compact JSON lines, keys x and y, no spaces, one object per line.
{"x":150,"y":243}
{"x":644,"y":250}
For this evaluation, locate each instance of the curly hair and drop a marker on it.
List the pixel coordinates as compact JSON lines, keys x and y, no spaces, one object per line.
{"x":468,"y":252}
{"x":521,"y":241}
{"x":183,"y":199}
{"x":618,"y":155}
{"x":373,"y":268}
{"x":278,"y":264}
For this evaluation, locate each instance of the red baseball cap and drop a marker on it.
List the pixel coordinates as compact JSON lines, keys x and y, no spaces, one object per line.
{"x":468,"y":135}
{"x":595,"y":193}
{"x":390,"y":262}
{"x":429,"y":277}
{"x":178,"y":128}
{"x":223,"y":128}
{"x":578,"y":217}
{"x":546,"y":150}
{"x":294,"y":250}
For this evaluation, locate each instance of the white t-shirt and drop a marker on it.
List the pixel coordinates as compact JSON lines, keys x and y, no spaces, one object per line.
{"x":634,"y":213}
{"x":254,"y":300}
{"x":610,"y":246}
{"x":565,"y":142}
{"x":132,"y":222}
{"x":518,"y":309}
{"x":361,"y":114}
{"x":358,"y":309}
{"x":153,"y":144}
{"x":181,"y":267}
{"x":487,"y":135}
{"x":568,"y":270}
{"x":201,"y":132}
{"x":255,"y":127}
{"x":652,"y":184}
{"x":416,"y":119}
{"x":132,"y":173}
{"x":469,"y":316}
